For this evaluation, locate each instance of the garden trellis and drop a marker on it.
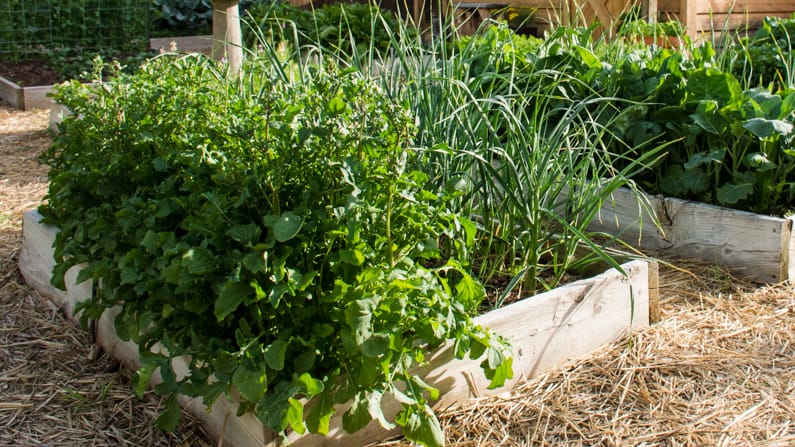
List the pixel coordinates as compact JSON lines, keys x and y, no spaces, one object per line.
{"x":34,"y":27}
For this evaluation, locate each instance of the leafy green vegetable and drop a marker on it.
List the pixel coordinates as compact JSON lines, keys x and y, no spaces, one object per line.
{"x":274,"y":230}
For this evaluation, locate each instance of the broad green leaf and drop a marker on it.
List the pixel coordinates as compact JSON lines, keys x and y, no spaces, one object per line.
{"x":126,"y":325}
{"x":787,"y":105}
{"x":312,"y":387}
{"x":708,"y":117}
{"x":305,"y":361}
{"x":498,"y":375}
{"x":295,"y":416}
{"x":323,"y":330}
{"x":245,"y":234}
{"x":375,"y":345}
{"x":358,"y":415}
{"x":358,"y":316}
{"x":286,"y":226}
{"x":172,"y":273}
{"x":255,"y":262}
{"x":169,"y":419}
{"x":276,"y":293}
{"x":731,"y":193}
{"x":251,"y":383}
{"x":129,"y":275}
{"x":319,"y":418}
{"x":469,"y":292}
{"x":273,"y":411}
{"x":151,"y":241}
{"x":759,"y":161}
{"x":305,"y":280}
{"x":764,"y":103}
{"x":671,"y":183}
{"x":705,"y":158}
{"x":198,"y":261}
{"x":353,"y":257}
{"x":713,"y":84}
{"x":497,"y":367}
{"x":433,"y":392}
{"x":336,"y":105}
{"x":142,"y":377}
{"x":274,"y":354}
{"x":763,"y":128}
{"x":588,"y":58}
{"x":695,"y":180}
{"x":402,"y":397}
{"x":421,"y":426}
{"x":232,"y":295}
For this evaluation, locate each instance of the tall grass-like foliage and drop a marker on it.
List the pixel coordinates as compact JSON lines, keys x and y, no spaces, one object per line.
{"x":528,"y":143}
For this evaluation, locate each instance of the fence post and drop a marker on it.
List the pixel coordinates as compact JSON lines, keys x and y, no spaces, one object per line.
{"x":688,"y":15}
{"x":227,"y":39}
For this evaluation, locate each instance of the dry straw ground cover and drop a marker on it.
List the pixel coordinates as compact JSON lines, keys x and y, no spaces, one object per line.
{"x":719,"y":370}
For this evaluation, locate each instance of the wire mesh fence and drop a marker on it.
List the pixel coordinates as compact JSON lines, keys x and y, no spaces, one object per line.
{"x":34,"y":27}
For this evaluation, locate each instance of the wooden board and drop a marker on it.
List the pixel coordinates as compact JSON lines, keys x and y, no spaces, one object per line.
{"x":753,"y":245}
{"x":188,"y":44}
{"x":25,"y":98}
{"x":11,"y":93}
{"x":546,"y":331}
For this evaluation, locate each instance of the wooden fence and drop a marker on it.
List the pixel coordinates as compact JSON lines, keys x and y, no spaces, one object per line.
{"x":702,"y":17}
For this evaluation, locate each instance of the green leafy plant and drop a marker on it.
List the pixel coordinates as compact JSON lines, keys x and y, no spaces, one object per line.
{"x":766,"y":57}
{"x":335,"y":27}
{"x":642,"y":28}
{"x":273,"y":229}
{"x":188,"y":17}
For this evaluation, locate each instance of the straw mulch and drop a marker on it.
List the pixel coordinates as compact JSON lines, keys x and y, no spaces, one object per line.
{"x":719,"y":370}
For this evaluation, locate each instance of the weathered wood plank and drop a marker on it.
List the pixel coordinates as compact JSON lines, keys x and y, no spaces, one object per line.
{"x":753,"y":245}
{"x":739,"y":6}
{"x":11,"y":93}
{"x":36,"y":263}
{"x":202,"y":44}
{"x":545,"y":330}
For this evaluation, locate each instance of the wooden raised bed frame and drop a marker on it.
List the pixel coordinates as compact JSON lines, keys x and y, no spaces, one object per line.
{"x":546,"y":331}
{"x":755,"y":246}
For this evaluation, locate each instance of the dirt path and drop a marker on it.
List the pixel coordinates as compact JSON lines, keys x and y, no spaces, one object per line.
{"x":719,"y":370}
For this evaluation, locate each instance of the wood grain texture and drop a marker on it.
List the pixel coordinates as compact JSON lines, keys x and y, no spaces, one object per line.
{"x":753,"y":245}
{"x":546,"y":331}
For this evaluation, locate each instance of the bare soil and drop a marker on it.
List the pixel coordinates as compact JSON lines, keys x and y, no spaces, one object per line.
{"x":718,"y":370}
{"x":29,"y":73}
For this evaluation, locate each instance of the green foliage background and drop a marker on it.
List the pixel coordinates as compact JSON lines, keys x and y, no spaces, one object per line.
{"x":35,"y":27}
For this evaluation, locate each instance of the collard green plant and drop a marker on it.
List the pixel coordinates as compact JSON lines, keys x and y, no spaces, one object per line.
{"x":272,"y":229}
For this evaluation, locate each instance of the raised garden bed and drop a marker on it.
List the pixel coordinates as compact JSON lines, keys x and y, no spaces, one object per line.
{"x":25,"y":98}
{"x":546,"y":331}
{"x":755,"y":246}
{"x":35,"y":95}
